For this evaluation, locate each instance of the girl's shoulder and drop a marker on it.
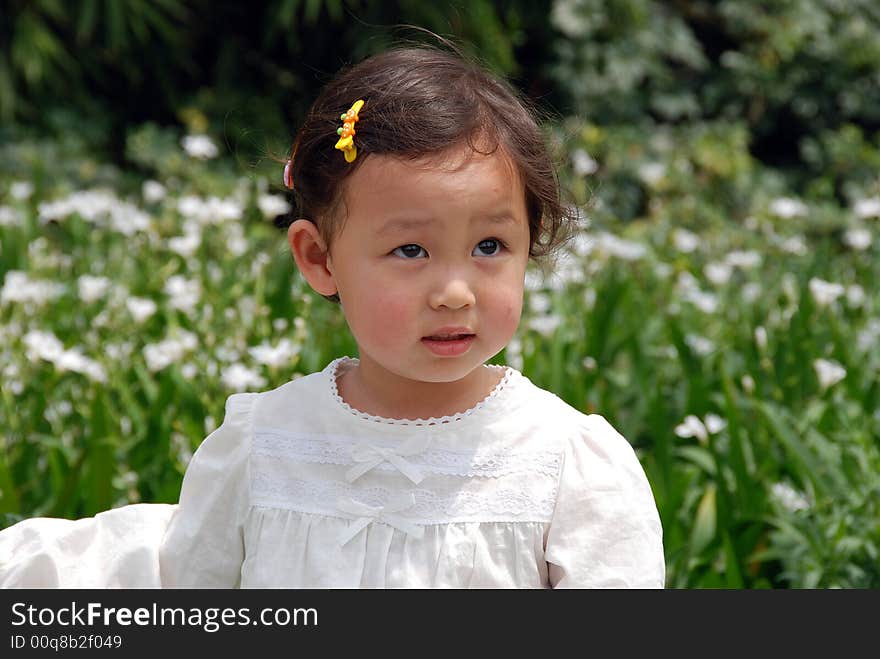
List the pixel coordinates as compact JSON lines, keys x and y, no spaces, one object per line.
{"x":304,"y":392}
{"x":574,"y":430}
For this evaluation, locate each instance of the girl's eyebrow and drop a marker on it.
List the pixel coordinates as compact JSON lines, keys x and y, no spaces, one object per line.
{"x":392,"y":226}
{"x":402,"y":224}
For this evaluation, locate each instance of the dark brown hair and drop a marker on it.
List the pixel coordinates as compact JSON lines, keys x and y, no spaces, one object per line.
{"x":420,"y":101}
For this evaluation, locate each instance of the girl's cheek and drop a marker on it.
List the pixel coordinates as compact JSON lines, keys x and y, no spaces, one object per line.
{"x":391,"y":316}
{"x":510,"y":305}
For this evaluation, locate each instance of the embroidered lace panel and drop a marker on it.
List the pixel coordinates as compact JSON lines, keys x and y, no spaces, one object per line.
{"x":339,"y":450}
{"x":323,"y":497}
{"x":333,"y":367}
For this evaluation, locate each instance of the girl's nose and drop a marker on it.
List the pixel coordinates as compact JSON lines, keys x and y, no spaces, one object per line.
{"x":452,"y":293}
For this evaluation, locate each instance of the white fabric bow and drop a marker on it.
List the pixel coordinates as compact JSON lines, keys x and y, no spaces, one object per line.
{"x":370,"y":456}
{"x":385,"y":514}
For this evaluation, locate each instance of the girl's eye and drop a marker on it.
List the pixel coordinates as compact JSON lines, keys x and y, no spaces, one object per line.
{"x":489,"y":247}
{"x":408,"y":252}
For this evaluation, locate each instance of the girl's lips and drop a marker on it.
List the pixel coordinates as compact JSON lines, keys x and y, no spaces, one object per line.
{"x":451,"y":347}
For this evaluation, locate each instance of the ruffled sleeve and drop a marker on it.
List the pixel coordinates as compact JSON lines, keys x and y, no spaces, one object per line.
{"x":204,"y":545}
{"x":605,"y":531}
{"x":117,"y":548}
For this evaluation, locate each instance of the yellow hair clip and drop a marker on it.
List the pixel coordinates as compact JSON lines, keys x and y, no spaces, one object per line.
{"x":346,"y":132}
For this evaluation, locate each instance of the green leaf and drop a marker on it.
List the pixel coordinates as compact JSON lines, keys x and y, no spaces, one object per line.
{"x":700,"y":457}
{"x":704,"y":528}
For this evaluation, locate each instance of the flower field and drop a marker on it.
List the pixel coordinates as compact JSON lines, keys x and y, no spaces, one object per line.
{"x":727,"y":326}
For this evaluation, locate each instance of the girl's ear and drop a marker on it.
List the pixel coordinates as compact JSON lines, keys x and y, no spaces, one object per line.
{"x":311,"y":256}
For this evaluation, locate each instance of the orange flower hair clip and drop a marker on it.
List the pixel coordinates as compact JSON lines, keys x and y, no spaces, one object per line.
{"x":346,"y":132}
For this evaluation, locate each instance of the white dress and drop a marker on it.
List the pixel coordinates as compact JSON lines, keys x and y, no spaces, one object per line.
{"x":298,"y":489}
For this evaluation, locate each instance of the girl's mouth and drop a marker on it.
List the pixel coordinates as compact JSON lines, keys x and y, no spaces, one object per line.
{"x":450,"y":341}
{"x":449,"y":346}
{"x":449,"y":337}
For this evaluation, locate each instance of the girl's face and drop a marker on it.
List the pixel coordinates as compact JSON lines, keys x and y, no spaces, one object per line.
{"x":430,"y":248}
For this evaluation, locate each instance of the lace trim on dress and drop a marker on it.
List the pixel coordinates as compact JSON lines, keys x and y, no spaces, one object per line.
{"x":341,"y":450}
{"x":322,"y":498}
{"x":332,"y":367}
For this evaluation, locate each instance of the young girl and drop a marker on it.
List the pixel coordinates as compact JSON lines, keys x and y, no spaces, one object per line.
{"x":424,"y":187}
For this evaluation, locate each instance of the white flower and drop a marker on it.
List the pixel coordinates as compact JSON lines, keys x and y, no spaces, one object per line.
{"x":858,"y":239}
{"x":589,"y":363}
{"x":153,"y":191}
{"x":743,"y":259}
{"x":748,"y":383}
{"x":190,"y":206}
{"x":212,"y":210}
{"x":73,"y":360}
{"x":869,"y":207}
{"x":685,"y":241}
{"x":534,"y":280}
{"x":829,"y":372}
{"x":789,"y":498}
{"x":275,"y":357}
{"x":568,"y":19}
{"x":589,"y":298}
{"x":17,"y":287}
{"x":662,"y":270}
{"x":10,"y":217}
{"x":855,"y":295}
{"x":825,"y":292}
{"x":620,"y":248}
{"x":100,"y":207}
{"x":787,"y":208}
{"x":569,"y":269}
{"x":545,"y":325}
{"x":705,"y":302}
{"x":718,"y":273}
{"x":187,"y":244}
{"x":189,"y":370}
{"x":687,"y":282}
{"x":692,"y":427}
{"x":513,"y":353}
{"x":539,"y":303}
{"x":581,"y":243}
{"x":92,"y":288}
{"x":280,"y":324}
{"x":184,"y":293}
{"x":45,"y":345}
{"x":181,"y":447}
{"x":159,"y":355}
{"x":271,"y":205}
{"x":128,"y":220}
{"x":21,"y":190}
{"x":869,"y":336}
{"x":239,"y":378}
{"x":699,"y":344}
{"x":199,"y":146}
{"x":236,"y":244}
{"x":761,"y":337}
{"x":751,"y":292}
{"x":652,"y":172}
{"x":714,"y":423}
{"x":42,"y":345}
{"x":582,"y":163}
{"x":689,"y":288}
{"x":140,"y":308}
{"x":794,"y":245}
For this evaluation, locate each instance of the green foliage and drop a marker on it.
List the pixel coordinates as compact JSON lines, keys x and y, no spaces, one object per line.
{"x":788,"y":70}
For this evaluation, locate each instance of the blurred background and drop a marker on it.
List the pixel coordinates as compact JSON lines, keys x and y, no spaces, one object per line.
{"x":718,"y":306}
